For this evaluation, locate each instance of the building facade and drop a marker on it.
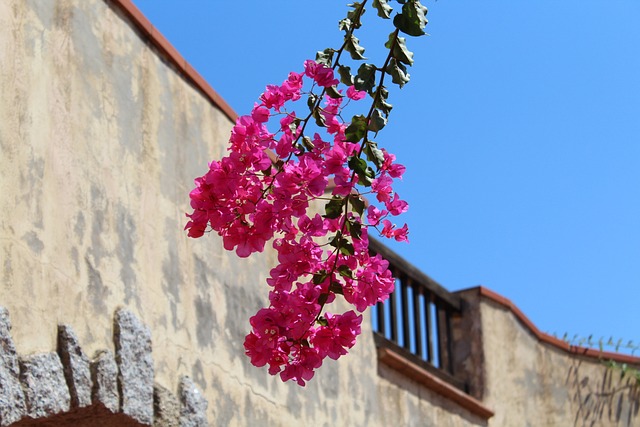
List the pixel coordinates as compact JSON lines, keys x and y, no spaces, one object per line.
{"x":112,"y":316}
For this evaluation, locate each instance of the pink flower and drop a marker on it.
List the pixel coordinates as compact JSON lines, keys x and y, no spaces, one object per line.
{"x":401,"y":234}
{"x":198,"y":223}
{"x":394,"y":170}
{"x":343,"y":183}
{"x":340,"y":334}
{"x":260,"y":114}
{"x":387,"y":230}
{"x":324,"y":77}
{"x":301,"y":368}
{"x":396,"y":206}
{"x":320,"y":73}
{"x":310,"y":68}
{"x":374,"y":215}
{"x":273,"y":98}
{"x":354,"y":94}
{"x":382,"y":187}
{"x":312,"y":227}
{"x":257,"y":349}
{"x":292,"y":86}
{"x":249,"y":198}
{"x":335,"y":159}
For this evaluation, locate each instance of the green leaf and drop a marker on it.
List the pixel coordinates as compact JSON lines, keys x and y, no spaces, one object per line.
{"x":398,"y":72}
{"x":336,"y":288}
{"x":319,"y":118}
{"x":357,"y":164}
{"x":364,"y":172}
{"x":344,"y":24}
{"x":332,"y":91}
{"x":367,"y":178}
{"x":325,"y":56}
{"x":354,"y":15}
{"x":374,"y":154}
{"x":377,"y":121}
{"x":352,"y":45}
{"x":308,"y":143}
{"x":357,"y":203}
{"x":311,"y":101}
{"x":357,"y":129}
{"x":322,"y":299}
{"x":399,"y":51}
{"x":384,"y":10}
{"x":381,"y":102}
{"x":347,"y":249}
{"x":342,"y":244}
{"x":366,"y":77}
{"x":293,"y":126}
{"x":345,"y":75}
{"x":320,"y":277}
{"x":413,"y":18}
{"x":354,"y":228}
{"x":345,"y":271}
{"x":333,"y":208}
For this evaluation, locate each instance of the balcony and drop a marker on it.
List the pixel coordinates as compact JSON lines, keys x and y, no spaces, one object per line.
{"x":413,"y":331}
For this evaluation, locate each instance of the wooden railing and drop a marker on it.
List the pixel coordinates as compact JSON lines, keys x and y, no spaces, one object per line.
{"x":415,"y":321}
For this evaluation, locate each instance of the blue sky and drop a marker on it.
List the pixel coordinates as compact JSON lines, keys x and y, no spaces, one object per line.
{"x":520,"y":130}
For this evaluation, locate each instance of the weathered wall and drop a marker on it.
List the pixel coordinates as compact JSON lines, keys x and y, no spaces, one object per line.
{"x":531,"y":383}
{"x":100,"y":141}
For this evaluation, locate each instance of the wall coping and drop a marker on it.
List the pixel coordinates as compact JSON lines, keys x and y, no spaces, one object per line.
{"x":166,"y":50}
{"x":431,"y":381}
{"x":549,"y":339}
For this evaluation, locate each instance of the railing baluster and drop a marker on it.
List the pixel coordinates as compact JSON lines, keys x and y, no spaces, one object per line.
{"x":417,"y":319}
{"x":417,"y":315}
{"x":380,"y":314}
{"x":443,"y":339}
{"x":405,"y":312}
{"x":429,"y":327}
{"x":392,"y":316}
{"x":449,"y":340}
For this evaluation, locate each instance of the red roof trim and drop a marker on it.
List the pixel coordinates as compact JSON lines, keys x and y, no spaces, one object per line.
{"x":167,"y":50}
{"x":549,"y":339}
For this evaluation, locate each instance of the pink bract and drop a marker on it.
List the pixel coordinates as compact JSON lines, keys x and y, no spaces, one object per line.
{"x":248,"y":198}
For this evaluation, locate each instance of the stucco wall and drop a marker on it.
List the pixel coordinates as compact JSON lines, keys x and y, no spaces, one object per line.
{"x":532,"y":383}
{"x":100,"y":143}
{"x":101,"y":139}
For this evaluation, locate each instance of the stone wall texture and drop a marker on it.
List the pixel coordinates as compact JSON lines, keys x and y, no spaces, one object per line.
{"x":100,"y":140}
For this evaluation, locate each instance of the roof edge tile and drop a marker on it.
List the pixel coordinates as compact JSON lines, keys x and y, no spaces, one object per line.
{"x":549,"y":339}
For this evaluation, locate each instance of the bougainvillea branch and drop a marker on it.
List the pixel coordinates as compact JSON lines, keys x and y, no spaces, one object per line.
{"x":279,"y":162}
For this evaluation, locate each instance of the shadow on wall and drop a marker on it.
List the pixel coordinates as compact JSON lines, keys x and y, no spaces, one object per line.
{"x":93,"y":416}
{"x":612,"y":399}
{"x":417,"y":395}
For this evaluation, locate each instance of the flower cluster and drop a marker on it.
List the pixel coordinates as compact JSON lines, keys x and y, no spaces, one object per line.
{"x":262,"y":191}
